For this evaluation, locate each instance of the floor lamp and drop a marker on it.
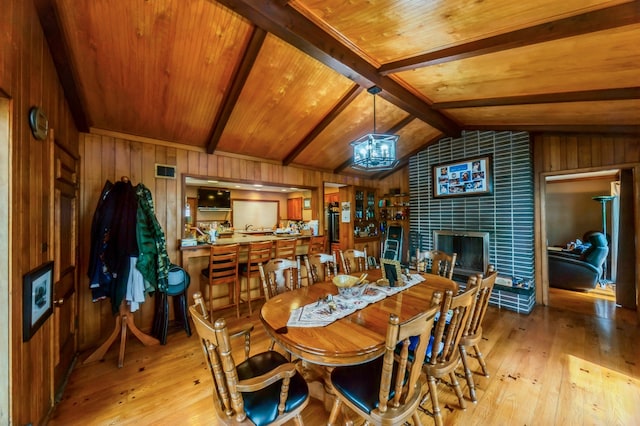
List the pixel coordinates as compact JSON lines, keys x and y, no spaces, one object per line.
{"x":603,"y":199}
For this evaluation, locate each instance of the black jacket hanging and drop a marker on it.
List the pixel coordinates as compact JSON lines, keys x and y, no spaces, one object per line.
{"x":115,"y":233}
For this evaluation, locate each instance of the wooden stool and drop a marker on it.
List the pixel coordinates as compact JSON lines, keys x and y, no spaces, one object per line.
{"x":223,"y":270}
{"x":259,"y":253}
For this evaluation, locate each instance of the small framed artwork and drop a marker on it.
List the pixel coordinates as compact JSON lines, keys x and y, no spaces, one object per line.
{"x":392,"y":271}
{"x":37,"y":296}
{"x":306,"y":203}
{"x":472,"y":176}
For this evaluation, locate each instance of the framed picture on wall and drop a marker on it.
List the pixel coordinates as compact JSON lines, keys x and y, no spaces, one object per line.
{"x":307,"y":204}
{"x":37,"y":296}
{"x":472,"y":176}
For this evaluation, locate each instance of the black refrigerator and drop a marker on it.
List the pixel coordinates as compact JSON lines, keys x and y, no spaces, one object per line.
{"x":333,"y":219}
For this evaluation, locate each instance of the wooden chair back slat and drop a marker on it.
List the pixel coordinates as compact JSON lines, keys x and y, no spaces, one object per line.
{"x":279,"y":275}
{"x":286,"y":248}
{"x":259,"y":252}
{"x":317,"y":244}
{"x":320,"y":267}
{"x":436,"y":262}
{"x":223,"y":270}
{"x":354,"y":261}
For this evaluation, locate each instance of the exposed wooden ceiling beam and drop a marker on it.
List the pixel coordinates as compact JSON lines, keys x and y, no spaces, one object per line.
{"x":342,"y":104}
{"x":343,"y":166}
{"x":61,"y":55}
{"x":559,"y":128}
{"x":400,"y":124}
{"x":546,"y":98}
{"x":294,"y":28}
{"x":402,"y":162}
{"x":239,"y":79}
{"x":599,"y":20}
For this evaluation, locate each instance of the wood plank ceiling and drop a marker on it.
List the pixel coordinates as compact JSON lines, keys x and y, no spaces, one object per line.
{"x":286,"y":81}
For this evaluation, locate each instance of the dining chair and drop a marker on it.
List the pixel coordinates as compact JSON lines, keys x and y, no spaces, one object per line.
{"x":279,"y":275}
{"x":444,"y":357}
{"x":473,"y":332}
{"x":442,"y":263}
{"x":242,"y":329}
{"x":387,"y":390}
{"x":263,"y":389}
{"x":320,"y":267}
{"x":259,"y":252}
{"x":223,"y":270}
{"x":317,"y":244}
{"x":353,"y":260}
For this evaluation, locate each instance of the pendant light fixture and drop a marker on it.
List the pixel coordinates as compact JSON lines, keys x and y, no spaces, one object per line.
{"x":374,"y":151}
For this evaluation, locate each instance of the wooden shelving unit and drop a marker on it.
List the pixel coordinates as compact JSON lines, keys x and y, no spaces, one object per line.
{"x":394,"y":210}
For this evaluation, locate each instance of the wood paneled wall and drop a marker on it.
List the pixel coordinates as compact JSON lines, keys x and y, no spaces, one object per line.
{"x":564,"y":153}
{"x":108,"y":157}
{"x":27,"y":78}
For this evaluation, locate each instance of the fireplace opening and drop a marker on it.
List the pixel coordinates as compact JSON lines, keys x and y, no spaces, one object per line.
{"x":472,"y":249}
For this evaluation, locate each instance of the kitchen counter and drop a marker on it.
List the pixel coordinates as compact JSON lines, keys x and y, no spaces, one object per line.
{"x":245,"y":238}
{"x":256,"y":232}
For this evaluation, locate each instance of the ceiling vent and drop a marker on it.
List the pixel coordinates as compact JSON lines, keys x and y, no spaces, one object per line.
{"x":165,"y":171}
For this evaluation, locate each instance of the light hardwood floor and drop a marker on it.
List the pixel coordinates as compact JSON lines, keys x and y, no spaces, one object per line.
{"x":576,"y":362}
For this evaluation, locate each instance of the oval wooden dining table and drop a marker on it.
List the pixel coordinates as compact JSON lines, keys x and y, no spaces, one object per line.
{"x":354,"y":339}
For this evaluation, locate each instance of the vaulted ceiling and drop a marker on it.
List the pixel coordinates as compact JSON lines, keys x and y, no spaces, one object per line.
{"x":286,"y":81}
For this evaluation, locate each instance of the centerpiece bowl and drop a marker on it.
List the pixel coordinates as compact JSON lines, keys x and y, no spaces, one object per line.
{"x":349,"y":286}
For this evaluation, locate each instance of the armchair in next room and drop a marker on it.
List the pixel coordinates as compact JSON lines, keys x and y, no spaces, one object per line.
{"x":579,"y":272}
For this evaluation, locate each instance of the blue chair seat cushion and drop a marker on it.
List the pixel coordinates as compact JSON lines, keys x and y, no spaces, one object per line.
{"x":413,"y":341}
{"x":262,"y":406}
{"x":361,"y":383}
{"x":178,"y":281}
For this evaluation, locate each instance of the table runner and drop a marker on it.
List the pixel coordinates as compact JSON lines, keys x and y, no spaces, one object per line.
{"x":325,"y":311}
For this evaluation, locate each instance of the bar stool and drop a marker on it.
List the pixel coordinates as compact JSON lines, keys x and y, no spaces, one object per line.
{"x":179,"y":280}
{"x":223,"y":270}
{"x":286,"y":248}
{"x":259,"y":253}
{"x":318,"y":244}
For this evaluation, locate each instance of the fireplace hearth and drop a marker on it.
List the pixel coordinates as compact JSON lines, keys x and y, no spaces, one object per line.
{"x":471,"y":247}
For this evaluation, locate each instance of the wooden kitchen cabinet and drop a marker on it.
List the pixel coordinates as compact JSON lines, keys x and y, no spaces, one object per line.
{"x":363,"y":227}
{"x":332,"y":198}
{"x":294,"y":208}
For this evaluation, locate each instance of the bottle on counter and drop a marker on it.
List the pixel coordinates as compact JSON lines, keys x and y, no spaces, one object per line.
{"x":187,"y":213}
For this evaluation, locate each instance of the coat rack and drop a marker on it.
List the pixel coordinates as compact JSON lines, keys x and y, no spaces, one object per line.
{"x":124,"y":320}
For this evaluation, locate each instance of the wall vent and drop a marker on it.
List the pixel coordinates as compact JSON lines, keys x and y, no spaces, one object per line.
{"x":165,"y":171}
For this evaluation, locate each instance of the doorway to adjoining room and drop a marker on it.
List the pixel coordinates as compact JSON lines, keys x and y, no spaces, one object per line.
{"x":582,"y":213}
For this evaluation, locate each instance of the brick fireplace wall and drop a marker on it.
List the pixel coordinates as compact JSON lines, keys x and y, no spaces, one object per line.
{"x":506,"y":214}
